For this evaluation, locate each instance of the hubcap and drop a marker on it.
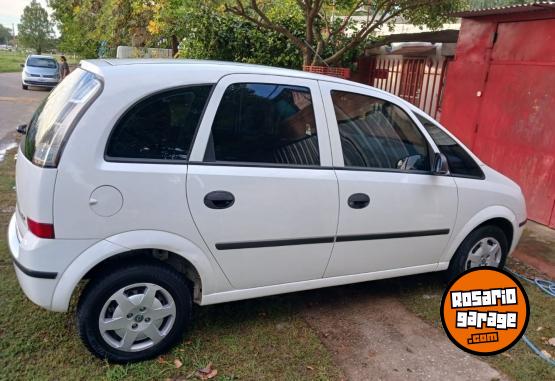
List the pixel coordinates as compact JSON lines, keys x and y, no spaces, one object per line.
{"x":137,"y":317}
{"x":486,"y":252}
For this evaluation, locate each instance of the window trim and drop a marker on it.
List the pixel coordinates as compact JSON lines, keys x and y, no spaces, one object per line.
{"x":464,"y":148}
{"x":409,"y":113}
{"x":115,"y":159}
{"x":254,"y":164}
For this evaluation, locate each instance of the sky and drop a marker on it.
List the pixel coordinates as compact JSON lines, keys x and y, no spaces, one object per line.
{"x":11,"y":10}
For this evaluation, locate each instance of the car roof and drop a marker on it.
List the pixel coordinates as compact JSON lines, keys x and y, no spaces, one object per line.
{"x":40,"y":56}
{"x":104,"y":67}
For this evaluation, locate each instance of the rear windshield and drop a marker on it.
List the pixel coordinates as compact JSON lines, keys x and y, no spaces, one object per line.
{"x":42,"y":62}
{"x":50,"y":126}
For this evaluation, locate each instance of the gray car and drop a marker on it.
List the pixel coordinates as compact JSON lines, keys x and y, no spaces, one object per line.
{"x":41,"y":71}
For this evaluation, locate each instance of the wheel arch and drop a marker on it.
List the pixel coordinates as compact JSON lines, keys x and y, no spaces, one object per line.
{"x":497,"y":215}
{"x":176,"y":251}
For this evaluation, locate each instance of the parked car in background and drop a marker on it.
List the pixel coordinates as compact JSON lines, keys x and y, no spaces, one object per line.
{"x":40,"y":71}
{"x":211,"y":182}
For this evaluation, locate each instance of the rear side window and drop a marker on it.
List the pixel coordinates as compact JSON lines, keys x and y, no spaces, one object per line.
{"x":460,"y":162}
{"x":160,"y":127}
{"x":51,"y":123}
{"x":378,"y":134}
{"x":264,"y":123}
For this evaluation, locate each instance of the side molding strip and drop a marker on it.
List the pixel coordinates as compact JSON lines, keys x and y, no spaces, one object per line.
{"x":34,"y":273}
{"x":330,"y":239}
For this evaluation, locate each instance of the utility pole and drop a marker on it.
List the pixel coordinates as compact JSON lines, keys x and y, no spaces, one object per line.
{"x":13,"y":35}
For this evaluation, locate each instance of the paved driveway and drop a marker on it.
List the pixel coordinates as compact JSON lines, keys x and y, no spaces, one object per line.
{"x":16,"y":105}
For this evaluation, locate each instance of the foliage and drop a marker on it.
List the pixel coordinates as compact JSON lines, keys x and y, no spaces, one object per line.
{"x":35,"y":30}
{"x":211,"y":34}
{"x":333,"y":28}
{"x":5,"y":35}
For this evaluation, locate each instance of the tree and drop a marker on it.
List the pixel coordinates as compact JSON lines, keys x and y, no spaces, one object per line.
{"x":35,"y":30}
{"x":5,"y":35}
{"x":212,"y":34}
{"x":330,"y":36}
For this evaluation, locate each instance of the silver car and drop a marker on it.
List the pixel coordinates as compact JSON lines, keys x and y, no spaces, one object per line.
{"x":41,"y":71}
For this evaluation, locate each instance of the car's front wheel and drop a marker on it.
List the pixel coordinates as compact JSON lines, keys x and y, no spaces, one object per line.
{"x":134,"y":313}
{"x":24,"y":87}
{"x":485,"y":246}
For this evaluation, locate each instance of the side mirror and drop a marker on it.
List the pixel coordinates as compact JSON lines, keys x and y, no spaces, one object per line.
{"x":441,"y":166}
{"x":22,"y":129}
{"x":22,"y":65}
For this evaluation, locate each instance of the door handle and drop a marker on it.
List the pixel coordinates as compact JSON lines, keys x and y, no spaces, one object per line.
{"x":219,"y":200}
{"x":358,"y":200}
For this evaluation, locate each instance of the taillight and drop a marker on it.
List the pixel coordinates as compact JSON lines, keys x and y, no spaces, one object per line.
{"x":40,"y":230}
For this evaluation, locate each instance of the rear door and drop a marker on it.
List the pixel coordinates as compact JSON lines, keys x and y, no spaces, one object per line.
{"x":394,"y":213}
{"x":260,"y":184}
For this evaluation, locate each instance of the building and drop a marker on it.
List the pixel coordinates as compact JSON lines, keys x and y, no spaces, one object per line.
{"x":499,"y":97}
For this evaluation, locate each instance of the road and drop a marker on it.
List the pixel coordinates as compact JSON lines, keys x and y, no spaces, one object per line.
{"x":16,"y":105}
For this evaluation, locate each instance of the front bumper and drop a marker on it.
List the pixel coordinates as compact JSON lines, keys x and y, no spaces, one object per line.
{"x":40,"y":83}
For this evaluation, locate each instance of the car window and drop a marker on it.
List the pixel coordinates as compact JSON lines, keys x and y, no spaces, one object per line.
{"x":460,"y":162}
{"x":160,"y":127}
{"x":378,"y":134}
{"x":42,"y":62}
{"x":264,"y":123}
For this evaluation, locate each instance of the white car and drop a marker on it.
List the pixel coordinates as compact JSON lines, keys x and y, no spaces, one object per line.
{"x":40,"y":71}
{"x":167,"y":183}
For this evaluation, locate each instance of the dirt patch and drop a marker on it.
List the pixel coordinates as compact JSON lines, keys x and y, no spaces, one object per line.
{"x":373,"y":336}
{"x":537,"y":248}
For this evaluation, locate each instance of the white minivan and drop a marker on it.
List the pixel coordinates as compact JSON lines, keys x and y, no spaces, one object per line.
{"x":166,"y":183}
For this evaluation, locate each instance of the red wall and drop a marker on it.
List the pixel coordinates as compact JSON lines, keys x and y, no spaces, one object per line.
{"x":500,"y":101}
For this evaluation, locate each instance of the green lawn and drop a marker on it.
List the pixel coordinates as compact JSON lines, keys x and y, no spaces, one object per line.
{"x":262,"y":339}
{"x":11,"y":61}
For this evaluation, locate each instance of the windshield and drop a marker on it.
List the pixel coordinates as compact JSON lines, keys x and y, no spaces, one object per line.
{"x":50,"y":126}
{"x":42,"y":62}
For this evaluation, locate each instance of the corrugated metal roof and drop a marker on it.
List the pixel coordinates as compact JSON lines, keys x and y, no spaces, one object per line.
{"x":507,"y":9}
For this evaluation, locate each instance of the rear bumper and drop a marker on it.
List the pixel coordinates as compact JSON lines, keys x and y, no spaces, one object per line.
{"x":38,"y":286}
{"x":39,"y":263}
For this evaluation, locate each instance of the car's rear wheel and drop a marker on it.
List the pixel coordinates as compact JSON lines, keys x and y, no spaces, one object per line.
{"x":24,"y":87}
{"x":485,"y":246}
{"x":134,"y":313}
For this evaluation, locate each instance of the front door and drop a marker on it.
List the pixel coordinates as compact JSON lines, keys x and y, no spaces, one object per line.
{"x":260,"y":185}
{"x":394,"y":213}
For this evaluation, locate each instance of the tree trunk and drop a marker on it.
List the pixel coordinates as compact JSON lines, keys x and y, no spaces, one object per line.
{"x":175,"y":45}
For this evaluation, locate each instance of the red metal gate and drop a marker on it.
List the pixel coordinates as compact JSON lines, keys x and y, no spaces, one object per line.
{"x":500,"y":100}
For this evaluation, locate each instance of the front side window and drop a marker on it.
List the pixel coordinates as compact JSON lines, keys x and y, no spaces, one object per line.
{"x":160,"y":127}
{"x":460,"y":162}
{"x":378,"y":134}
{"x":264,"y":123}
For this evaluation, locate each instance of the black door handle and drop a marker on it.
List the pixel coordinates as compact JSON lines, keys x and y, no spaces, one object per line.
{"x":219,"y":200}
{"x":358,"y":200}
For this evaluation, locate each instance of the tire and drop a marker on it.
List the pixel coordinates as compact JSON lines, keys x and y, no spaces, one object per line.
{"x":24,"y":87}
{"x":141,"y":328}
{"x":468,"y":253}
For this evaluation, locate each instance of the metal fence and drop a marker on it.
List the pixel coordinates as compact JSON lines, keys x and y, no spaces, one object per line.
{"x":418,"y":80}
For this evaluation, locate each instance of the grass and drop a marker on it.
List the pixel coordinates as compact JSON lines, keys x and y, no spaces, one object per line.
{"x":423,"y":297}
{"x":11,"y":61}
{"x":262,"y":339}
